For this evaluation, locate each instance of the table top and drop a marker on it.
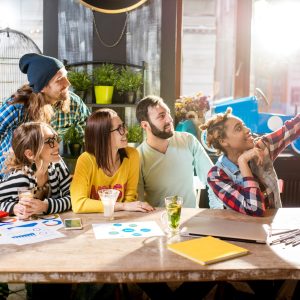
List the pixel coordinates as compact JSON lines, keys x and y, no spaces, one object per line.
{"x":79,"y":257}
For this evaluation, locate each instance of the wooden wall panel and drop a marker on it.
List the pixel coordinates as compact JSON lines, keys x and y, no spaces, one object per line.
{"x":75,"y":32}
{"x":144,"y":42}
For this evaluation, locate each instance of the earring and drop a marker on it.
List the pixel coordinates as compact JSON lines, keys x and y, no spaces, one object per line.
{"x":33,"y":167}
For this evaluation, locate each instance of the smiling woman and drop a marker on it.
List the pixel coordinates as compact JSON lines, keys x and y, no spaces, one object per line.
{"x":107,"y":164}
{"x":244,"y":177}
{"x":35,"y":164}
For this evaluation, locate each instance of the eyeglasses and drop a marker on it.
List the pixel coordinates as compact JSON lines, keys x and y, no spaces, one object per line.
{"x":51,"y":141}
{"x":121,"y":129}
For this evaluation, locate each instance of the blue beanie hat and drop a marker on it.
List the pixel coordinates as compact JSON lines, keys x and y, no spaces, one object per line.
{"x":40,"y":69}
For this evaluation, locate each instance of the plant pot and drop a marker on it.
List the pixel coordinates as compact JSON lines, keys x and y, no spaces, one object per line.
{"x":118,"y":98}
{"x":81,"y":94}
{"x":138,"y":95}
{"x":103,"y":94}
{"x":130,"y":97}
{"x":75,"y":149}
{"x":133,"y":144}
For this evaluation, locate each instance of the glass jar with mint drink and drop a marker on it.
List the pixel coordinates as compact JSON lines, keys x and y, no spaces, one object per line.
{"x":173,"y":207}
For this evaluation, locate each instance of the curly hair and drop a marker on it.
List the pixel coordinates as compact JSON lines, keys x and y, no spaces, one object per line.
{"x":215,"y":128}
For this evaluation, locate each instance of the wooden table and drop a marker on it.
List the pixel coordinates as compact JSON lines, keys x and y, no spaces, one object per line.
{"x":79,"y":257}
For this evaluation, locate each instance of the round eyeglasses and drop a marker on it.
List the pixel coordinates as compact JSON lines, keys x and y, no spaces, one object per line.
{"x":51,"y":141}
{"x":121,"y":129}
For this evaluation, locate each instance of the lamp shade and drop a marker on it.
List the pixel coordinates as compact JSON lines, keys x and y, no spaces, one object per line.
{"x":112,"y":6}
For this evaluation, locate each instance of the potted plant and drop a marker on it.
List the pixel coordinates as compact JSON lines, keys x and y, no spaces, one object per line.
{"x":128,"y":83}
{"x":74,"y":139}
{"x":105,"y":77}
{"x":81,"y":82}
{"x":135,"y":135}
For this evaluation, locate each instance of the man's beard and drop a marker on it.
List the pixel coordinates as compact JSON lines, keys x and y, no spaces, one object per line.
{"x":160,"y":133}
{"x":64,"y":104}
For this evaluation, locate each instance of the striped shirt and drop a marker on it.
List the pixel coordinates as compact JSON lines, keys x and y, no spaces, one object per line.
{"x":13,"y":115}
{"x":243,"y":194}
{"x":59,"y":180}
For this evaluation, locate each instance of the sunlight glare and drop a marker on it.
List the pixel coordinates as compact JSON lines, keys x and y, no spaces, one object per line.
{"x":7,"y":14}
{"x":276,"y":26}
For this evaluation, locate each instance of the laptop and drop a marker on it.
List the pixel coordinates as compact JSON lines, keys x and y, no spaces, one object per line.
{"x":225,"y":229}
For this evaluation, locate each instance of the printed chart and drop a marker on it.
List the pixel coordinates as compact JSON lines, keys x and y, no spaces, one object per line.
{"x":43,"y":228}
{"x":127,"y":230}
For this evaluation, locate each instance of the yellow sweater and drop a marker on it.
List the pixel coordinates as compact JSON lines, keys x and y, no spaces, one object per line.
{"x":89,"y":179}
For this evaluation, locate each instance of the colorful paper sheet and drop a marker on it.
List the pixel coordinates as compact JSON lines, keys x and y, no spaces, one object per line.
{"x":127,"y":230}
{"x":14,"y":231}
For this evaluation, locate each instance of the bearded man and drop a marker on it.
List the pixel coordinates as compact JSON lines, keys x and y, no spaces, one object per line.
{"x":168,"y":159}
{"x":46,"y":97}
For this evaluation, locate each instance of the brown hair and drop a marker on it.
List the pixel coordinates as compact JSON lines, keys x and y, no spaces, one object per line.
{"x":98,"y":138}
{"x":26,"y":136}
{"x":216,"y":130}
{"x":144,"y":104}
{"x":36,"y":106}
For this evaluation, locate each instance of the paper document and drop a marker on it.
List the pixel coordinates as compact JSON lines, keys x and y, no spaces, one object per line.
{"x":126,"y":230}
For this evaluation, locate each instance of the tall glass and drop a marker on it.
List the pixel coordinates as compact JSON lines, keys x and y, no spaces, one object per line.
{"x":109,"y":198}
{"x":25,"y":194}
{"x":173,"y":209}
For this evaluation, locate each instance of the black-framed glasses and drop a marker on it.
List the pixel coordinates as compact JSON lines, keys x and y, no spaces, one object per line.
{"x":51,"y":141}
{"x":121,"y":129}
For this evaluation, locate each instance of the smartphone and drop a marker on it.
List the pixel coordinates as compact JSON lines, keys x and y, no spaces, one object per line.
{"x":73,"y":224}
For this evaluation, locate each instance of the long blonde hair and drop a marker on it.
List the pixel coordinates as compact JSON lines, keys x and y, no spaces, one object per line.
{"x":36,"y":107}
{"x":26,"y":136}
{"x":216,"y":130}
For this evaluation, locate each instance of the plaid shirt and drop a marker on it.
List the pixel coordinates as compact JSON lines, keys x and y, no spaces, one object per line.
{"x":11,"y":116}
{"x":78,"y":114}
{"x":243,"y":194}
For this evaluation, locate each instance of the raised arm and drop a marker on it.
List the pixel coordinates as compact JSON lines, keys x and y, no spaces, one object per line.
{"x":278,"y":140}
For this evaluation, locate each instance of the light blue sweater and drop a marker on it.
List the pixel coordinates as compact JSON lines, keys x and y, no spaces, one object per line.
{"x":172,"y":173}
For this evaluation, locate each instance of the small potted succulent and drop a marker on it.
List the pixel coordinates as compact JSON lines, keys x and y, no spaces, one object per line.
{"x":74,"y":139}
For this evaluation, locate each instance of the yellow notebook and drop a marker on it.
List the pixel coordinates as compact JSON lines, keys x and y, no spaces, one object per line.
{"x":207,"y":250}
